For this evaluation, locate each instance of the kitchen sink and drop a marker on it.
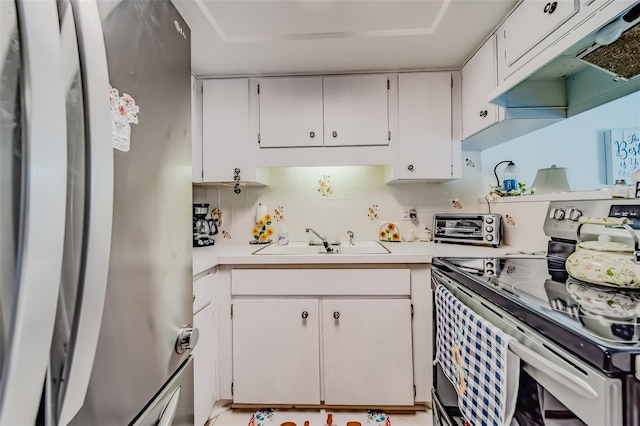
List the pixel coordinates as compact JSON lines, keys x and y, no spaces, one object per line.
{"x":303,"y":248}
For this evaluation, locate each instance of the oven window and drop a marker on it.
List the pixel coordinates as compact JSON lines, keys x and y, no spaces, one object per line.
{"x":463,"y":228}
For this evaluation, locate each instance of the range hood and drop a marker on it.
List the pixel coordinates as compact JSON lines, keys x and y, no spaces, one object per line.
{"x":601,"y":67}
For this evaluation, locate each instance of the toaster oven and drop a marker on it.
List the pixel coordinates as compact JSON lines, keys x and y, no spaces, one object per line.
{"x":468,"y":228}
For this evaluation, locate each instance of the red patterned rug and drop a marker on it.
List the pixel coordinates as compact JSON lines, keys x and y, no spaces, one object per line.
{"x":272,"y":417}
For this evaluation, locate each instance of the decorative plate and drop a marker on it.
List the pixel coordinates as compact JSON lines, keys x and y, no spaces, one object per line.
{"x":610,"y":303}
{"x":389,"y":232}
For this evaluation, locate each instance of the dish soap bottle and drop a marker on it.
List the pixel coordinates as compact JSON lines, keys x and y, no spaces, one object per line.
{"x":283,"y":235}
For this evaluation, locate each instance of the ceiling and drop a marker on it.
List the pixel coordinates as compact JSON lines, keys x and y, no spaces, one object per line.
{"x":241,"y":37}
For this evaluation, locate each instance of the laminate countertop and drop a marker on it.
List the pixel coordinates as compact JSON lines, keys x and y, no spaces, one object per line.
{"x":205,"y":258}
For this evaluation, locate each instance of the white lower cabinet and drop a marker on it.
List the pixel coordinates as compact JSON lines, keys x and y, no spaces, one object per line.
{"x":205,"y":353}
{"x":339,"y":337}
{"x":367,"y":352}
{"x":276,"y":356}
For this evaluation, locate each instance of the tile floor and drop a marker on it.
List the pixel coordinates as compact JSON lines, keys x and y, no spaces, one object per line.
{"x":241,"y":418}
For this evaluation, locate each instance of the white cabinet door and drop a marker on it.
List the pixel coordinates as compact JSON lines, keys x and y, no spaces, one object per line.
{"x":204,"y":366}
{"x":290,"y":112}
{"x":529,"y":24}
{"x":425,"y":145}
{"x":205,"y":353}
{"x":479,"y":77}
{"x":276,"y":354}
{"x":367,"y":352}
{"x":356,"y":110}
{"x":225,"y":130}
{"x":196,"y":130}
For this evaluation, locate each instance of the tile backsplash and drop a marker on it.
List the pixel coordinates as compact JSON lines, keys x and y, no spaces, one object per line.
{"x":333,"y":200}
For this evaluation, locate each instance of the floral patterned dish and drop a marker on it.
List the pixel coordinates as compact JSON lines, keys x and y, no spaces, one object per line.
{"x":609,"y":264}
{"x":606,"y":302}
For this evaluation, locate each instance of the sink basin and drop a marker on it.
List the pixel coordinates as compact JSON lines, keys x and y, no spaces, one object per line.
{"x":303,"y":248}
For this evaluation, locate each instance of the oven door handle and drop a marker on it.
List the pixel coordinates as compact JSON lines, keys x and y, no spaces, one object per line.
{"x":537,"y":361}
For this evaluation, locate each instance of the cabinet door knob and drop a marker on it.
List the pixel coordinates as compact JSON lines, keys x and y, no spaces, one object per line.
{"x":547,"y":7}
{"x":305,"y":314}
{"x":410,"y":167}
{"x":553,"y":7}
{"x":334,"y":134}
{"x":484,"y":113}
{"x":312,"y":135}
{"x":336,"y":315}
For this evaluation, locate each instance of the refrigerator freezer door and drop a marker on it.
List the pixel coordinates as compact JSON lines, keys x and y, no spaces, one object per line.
{"x":32,"y":200}
{"x":149,"y":288}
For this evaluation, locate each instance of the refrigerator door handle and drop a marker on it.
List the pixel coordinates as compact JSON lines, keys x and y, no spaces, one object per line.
{"x":39,"y":257}
{"x":99,"y":215}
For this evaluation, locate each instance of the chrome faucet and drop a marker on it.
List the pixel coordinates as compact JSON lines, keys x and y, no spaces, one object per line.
{"x":350,"y":233}
{"x":325,"y":243}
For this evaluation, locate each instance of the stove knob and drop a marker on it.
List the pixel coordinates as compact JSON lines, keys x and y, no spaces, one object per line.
{"x":489,"y":220}
{"x":489,"y":237}
{"x":574,"y":214}
{"x":489,"y":265}
{"x":488,"y":272}
{"x":489,"y":228}
{"x":558,"y":214}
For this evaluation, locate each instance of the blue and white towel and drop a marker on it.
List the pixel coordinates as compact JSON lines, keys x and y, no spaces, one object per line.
{"x":474,"y":356}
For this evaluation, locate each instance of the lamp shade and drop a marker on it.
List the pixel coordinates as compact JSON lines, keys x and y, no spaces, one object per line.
{"x":553,"y":179}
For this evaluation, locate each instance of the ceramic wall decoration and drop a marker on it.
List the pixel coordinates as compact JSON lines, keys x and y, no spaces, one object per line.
{"x":389,"y":232}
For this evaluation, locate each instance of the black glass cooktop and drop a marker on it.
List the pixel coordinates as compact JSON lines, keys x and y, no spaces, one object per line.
{"x":599,"y":324}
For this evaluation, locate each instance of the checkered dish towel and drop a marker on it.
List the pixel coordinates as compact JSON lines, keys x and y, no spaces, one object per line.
{"x":474,"y":356}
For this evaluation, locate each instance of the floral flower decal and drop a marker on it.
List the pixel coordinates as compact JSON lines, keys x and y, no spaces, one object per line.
{"x":373,"y":212}
{"x":262,"y":231}
{"x":456,"y":204}
{"x":226,"y":235}
{"x":324,"y":189}
{"x":509,"y":220}
{"x":258,"y":418}
{"x":378,"y":417}
{"x":469,"y":162}
{"x":278,"y":213}
{"x":389,"y":232}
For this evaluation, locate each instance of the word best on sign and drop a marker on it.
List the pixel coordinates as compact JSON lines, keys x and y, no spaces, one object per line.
{"x":622,"y":153}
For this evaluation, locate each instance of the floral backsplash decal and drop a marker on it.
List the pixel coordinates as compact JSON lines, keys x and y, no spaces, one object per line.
{"x":456,"y":204}
{"x":373,"y":212}
{"x":278,"y":213}
{"x":469,"y":162}
{"x":262,"y":231}
{"x":510,"y":220}
{"x":324,"y":189}
{"x":226,"y":235}
{"x":124,"y":112}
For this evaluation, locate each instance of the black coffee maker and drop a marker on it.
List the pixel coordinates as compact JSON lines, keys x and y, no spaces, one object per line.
{"x":203,"y":229}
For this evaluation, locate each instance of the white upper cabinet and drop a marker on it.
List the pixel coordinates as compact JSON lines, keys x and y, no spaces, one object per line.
{"x":225,"y":131}
{"x":479,"y":77}
{"x":290,"y":111}
{"x":356,"y":110}
{"x":529,"y":24}
{"x":424,"y":126}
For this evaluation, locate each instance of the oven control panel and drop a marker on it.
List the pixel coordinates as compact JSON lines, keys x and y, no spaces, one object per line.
{"x":563,"y":217}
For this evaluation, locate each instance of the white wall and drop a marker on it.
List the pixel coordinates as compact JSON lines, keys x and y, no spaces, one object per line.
{"x":576,"y":143}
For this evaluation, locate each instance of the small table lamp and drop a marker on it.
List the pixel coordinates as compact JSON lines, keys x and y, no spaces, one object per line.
{"x":553,"y":179}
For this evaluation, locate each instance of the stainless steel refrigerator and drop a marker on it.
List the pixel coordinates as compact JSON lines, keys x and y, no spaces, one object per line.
{"x":95,"y":213}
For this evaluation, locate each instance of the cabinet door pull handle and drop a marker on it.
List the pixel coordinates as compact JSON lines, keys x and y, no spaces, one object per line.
{"x":334,"y":134}
{"x":305,"y":314}
{"x":410,"y":167}
{"x":312,"y":135}
{"x":336,"y":315}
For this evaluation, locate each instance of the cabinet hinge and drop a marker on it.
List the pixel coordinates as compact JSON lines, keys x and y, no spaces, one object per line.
{"x":452,"y":170}
{"x":232,"y":389}
{"x":412,"y":310}
{"x":258,"y":89}
{"x":452,"y":81}
{"x":388,"y":85}
{"x":231,"y":310}
{"x":389,"y":134}
{"x":258,"y":137}
{"x":415,"y":391}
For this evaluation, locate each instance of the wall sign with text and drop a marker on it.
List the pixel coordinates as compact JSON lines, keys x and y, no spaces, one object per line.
{"x":622,"y":153}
